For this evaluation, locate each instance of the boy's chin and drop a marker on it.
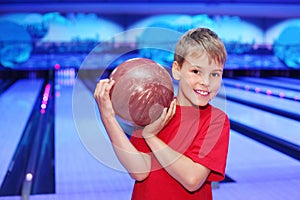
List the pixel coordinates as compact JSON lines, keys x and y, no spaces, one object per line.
{"x":200,"y":104}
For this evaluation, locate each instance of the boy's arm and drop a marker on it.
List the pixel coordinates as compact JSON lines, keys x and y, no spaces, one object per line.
{"x":190,"y":174}
{"x":136,"y":163}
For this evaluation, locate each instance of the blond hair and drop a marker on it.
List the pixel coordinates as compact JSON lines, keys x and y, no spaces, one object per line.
{"x":201,"y":40}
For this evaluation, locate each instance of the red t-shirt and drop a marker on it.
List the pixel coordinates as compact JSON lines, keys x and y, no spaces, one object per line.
{"x":200,"y":134}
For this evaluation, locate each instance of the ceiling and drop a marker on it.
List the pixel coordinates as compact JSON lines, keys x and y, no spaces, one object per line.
{"x":153,"y":1}
{"x":248,"y":8}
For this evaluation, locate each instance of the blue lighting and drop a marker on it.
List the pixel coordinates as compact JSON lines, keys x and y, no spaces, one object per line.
{"x":287,"y":43}
{"x":50,"y":33}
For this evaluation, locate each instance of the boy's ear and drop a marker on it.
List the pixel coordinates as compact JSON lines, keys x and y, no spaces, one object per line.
{"x":176,"y":70}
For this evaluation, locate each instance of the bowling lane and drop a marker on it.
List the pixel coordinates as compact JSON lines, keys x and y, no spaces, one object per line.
{"x":287,"y":93}
{"x":259,"y":171}
{"x":16,"y":104}
{"x":249,"y":161}
{"x":269,"y":103}
{"x":272,"y":124}
{"x":4,"y":84}
{"x":272,"y":83}
{"x":293,"y":81}
{"x":78,"y":172}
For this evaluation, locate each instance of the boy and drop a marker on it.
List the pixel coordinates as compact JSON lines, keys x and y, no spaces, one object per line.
{"x":181,"y":153}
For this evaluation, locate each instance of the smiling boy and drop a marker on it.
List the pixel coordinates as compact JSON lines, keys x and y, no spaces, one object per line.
{"x":181,"y":153}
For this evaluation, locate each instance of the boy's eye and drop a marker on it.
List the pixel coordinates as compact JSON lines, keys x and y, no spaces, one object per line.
{"x":215,"y":75}
{"x":195,"y":71}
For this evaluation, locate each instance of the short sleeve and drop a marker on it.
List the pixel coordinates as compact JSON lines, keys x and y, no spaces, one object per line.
{"x":210,"y":147}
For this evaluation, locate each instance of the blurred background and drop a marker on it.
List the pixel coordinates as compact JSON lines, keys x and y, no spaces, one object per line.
{"x":53,"y":52}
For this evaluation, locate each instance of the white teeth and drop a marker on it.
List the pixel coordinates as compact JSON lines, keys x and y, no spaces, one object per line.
{"x":202,"y":92}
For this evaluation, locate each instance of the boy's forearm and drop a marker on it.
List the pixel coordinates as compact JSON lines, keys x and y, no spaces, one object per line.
{"x":190,"y":174}
{"x":136,"y":163}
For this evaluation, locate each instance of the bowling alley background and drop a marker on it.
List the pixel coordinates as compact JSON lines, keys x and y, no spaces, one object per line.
{"x":53,"y":52}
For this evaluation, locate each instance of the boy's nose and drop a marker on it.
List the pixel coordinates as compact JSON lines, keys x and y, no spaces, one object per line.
{"x":204,"y":81}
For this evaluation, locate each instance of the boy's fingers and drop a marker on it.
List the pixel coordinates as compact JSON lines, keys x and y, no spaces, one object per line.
{"x":110,"y":84}
{"x":101,"y":88}
{"x":171,"y":111}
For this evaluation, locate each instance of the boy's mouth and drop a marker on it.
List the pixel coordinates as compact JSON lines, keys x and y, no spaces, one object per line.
{"x":202,"y":92}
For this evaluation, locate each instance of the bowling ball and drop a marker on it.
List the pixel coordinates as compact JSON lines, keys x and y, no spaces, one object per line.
{"x":142,"y":89}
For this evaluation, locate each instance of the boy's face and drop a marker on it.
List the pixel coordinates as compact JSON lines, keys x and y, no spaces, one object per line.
{"x":199,"y":80}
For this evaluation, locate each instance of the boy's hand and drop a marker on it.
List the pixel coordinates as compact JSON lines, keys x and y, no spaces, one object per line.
{"x":156,"y":126}
{"x":102,"y":97}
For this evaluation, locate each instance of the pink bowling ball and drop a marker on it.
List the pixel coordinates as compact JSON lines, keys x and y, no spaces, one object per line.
{"x":142,"y":89}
